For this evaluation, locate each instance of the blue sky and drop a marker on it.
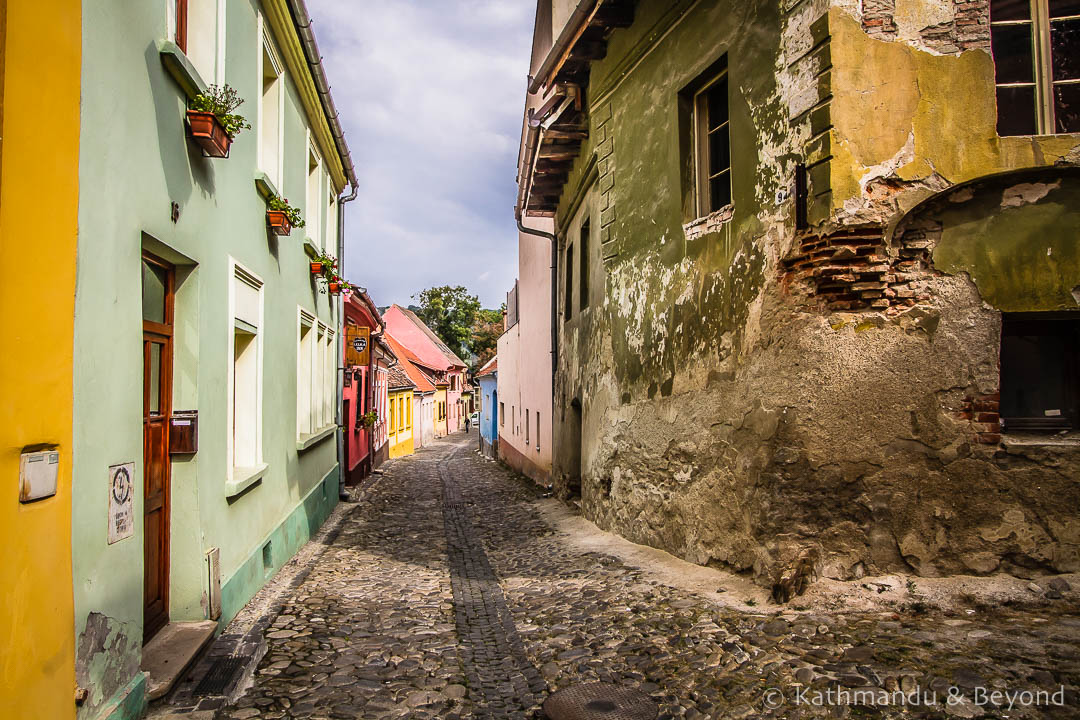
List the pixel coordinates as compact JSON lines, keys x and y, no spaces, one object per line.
{"x":431,"y":94}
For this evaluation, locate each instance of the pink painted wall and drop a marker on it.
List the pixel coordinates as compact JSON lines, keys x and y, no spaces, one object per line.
{"x":524,"y":382}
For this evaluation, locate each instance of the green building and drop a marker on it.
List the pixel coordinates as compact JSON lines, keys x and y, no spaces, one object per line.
{"x":206,"y":352}
{"x":817,"y":301}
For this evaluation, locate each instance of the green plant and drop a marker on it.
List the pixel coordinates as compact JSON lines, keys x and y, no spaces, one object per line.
{"x":369,"y":419}
{"x":329,"y":265}
{"x":282,"y":205}
{"x":222,"y":101}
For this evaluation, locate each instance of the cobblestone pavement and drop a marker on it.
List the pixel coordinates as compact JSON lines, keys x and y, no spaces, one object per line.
{"x":445,"y":595}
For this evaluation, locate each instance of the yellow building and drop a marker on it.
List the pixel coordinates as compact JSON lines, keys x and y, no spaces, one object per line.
{"x":39,"y":186}
{"x":400,"y":425}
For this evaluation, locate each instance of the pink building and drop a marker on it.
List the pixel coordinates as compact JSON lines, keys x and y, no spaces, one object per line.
{"x":411,"y":332}
{"x":358,"y":395}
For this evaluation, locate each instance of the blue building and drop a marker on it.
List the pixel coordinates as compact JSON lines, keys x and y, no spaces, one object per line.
{"x":487,"y":377}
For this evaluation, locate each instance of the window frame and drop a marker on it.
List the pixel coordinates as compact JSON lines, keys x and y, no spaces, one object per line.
{"x":1044,"y":325}
{"x":700,"y":122}
{"x":267,"y":49}
{"x":237,"y":272}
{"x":1042,"y":55}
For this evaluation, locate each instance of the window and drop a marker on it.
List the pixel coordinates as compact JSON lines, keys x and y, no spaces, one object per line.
{"x":393,"y":424}
{"x":270,"y":112}
{"x":312,"y":206}
{"x":568,"y":264}
{"x":538,"y":431}
{"x":502,"y":414}
{"x":1040,"y":372}
{"x":1036,"y":47}
{"x":526,"y":426}
{"x":305,"y":374}
{"x":331,"y":217}
{"x":200,"y":34}
{"x":712,"y":142}
{"x":315,"y":376}
{"x":245,"y":372}
{"x":583,"y":265}
{"x":408,"y":418}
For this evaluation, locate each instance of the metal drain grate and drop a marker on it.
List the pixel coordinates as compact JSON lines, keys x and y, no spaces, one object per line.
{"x":220,"y":675}
{"x":600,"y":701}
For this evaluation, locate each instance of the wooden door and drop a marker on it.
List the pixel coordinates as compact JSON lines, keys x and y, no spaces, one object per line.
{"x":158,"y":280}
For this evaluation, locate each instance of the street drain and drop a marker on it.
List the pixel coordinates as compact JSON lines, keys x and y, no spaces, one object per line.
{"x":600,"y":701}
{"x":220,"y":675}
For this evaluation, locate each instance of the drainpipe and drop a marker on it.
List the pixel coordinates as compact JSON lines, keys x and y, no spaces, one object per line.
{"x":554,"y":298}
{"x":571,"y":31}
{"x":302,"y":22}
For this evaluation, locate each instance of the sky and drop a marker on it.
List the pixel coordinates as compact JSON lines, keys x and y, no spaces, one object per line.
{"x":431,"y":95}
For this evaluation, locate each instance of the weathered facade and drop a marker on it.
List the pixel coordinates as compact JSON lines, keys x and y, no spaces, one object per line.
{"x":815,"y":297}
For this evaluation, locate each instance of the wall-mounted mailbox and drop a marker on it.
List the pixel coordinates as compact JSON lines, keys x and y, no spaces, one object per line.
{"x":37,"y":475}
{"x":184,"y":432}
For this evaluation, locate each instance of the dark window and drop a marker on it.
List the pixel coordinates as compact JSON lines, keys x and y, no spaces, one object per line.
{"x":583,"y":265}
{"x":1040,"y":372}
{"x":568,"y":305}
{"x":1036,"y":47}
{"x":713,"y":155}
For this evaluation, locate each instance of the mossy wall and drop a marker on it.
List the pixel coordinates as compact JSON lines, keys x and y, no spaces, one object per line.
{"x":728,"y":415}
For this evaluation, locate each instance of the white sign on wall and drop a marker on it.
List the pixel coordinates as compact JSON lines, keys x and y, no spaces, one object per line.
{"x":121,"y":502}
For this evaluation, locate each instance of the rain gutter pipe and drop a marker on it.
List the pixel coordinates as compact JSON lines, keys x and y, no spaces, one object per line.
{"x":572,"y":30}
{"x":302,"y":22}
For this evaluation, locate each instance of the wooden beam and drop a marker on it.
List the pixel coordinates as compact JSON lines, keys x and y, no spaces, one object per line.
{"x":559,"y":134}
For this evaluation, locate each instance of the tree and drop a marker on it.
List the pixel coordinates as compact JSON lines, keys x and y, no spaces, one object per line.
{"x":485,"y":334}
{"x":450,"y":312}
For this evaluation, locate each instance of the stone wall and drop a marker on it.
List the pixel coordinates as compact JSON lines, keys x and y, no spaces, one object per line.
{"x":750,"y":388}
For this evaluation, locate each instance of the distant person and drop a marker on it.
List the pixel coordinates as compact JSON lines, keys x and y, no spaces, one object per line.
{"x":467,"y":422}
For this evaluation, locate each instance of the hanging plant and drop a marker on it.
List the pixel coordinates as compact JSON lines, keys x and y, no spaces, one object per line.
{"x":212,"y":124}
{"x":369,"y":419}
{"x":281,"y":216}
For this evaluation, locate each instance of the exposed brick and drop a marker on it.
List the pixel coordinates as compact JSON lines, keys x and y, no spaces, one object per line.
{"x":989,"y":438}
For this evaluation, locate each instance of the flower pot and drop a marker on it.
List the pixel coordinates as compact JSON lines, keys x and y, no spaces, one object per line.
{"x":208,"y":132}
{"x":335,"y":288}
{"x":278,"y":222}
{"x":316,"y":268}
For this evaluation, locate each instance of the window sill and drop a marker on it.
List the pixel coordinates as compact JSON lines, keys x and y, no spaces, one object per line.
{"x":709,"y":223}
{"x":265,"y":185}
{"x":180,"y":68}
{"x":311,"y":249}
{"x":1030,"y":439}
{"x":243,"y":478}
{"x":308,"y":440}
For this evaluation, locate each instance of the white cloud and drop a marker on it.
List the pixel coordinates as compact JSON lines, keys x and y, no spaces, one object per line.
{"x":431,"y":95}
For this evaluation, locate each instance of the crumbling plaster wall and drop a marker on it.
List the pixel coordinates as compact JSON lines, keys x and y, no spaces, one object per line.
{"x":732,"y":414}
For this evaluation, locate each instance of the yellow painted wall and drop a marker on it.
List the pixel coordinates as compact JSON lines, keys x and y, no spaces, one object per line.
{"x":401,"y":424}
{"x":39,"y":173}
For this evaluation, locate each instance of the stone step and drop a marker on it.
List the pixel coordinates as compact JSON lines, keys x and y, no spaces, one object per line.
{"x":171,"y":651}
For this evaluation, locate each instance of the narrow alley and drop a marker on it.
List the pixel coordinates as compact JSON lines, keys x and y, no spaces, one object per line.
{"x":444,"y":593}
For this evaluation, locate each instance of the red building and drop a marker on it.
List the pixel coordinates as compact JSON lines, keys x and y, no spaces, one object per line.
{"x":363,"y":324}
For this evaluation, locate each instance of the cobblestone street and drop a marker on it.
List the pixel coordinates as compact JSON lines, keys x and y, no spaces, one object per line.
{"x":446,"y":595}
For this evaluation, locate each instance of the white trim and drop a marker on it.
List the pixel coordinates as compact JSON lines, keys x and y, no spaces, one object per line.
{"x":246,"y":276}
{"x":219,"y":70}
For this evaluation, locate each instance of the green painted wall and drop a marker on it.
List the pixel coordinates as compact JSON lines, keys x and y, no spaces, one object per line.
{"x":135,"y":162}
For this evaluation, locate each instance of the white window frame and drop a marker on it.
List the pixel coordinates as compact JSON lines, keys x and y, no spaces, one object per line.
{"x":238,"y":272}
{"x":313,"y":195}
{"x":703,"y":172}
{"x":266,"y":47}
{"x":217,"y":73}
{"x":304,"y":371}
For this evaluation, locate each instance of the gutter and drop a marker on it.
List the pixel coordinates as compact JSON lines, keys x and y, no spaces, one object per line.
{"x":554,"y":299}
{"x":572,"y":30}
{"x":302,"y":21}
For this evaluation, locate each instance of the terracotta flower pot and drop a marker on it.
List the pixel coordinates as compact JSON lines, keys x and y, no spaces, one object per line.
{"x":278,"y":222}
{"x":208,"y":132}
{"x":316,"y":268}
{"x":335,"y":288}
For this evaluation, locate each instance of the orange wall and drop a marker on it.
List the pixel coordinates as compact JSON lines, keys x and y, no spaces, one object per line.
{"x":38,"y":223}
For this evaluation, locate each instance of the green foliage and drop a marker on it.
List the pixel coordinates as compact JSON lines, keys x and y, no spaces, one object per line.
{"x":485,"y":335}
{"x":222,"y":101}
{"x":293,"y":214}
{"x":450,"y":312}
{"x":369,"y":419}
